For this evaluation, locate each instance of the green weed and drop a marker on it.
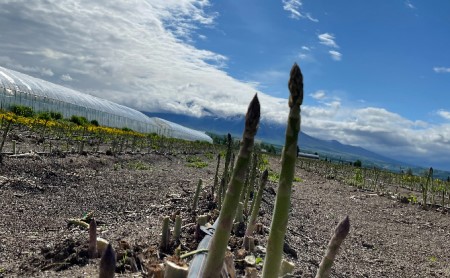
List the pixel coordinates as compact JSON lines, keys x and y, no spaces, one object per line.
{"x":274,"y":177}
{"x":263,"y":162}
{"x":192,"y":159}
{"x":412,"y":199}
{"x":209,"y":155}
{"x":197,"y":164}
{"x":357,"y":179}
{"x":138,"y":165}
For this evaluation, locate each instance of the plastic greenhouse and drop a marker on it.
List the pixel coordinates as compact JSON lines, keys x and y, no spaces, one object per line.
{"x":20,"y":89}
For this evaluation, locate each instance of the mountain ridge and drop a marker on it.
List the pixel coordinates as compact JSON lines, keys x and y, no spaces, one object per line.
{"x":275,"y":134}
{"x":268,"y":132}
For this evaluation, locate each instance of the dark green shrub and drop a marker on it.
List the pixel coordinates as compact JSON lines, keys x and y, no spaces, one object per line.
{"x":357,"y":163}
{"x":126,"y":129}
{"x":94,"y":122}
{"x":21,"y":110}
{"x":409,"y":172}
{"x":56,"y":115}
{"x":79,"y":120}
{"x":44,"y":116}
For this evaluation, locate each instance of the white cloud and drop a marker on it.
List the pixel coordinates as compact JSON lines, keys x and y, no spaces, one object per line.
{"x":321,"y":112}
{"x":318,"y":95}
{"x":335,"y":55}
{"x":66,"y":77}
{"x":381,"y":131}
{"x":135,"y":53}
{"x":328,"y":40}
{"x":294,"y":7}
{"x":441,"y":70}
{"x":309,"y":16}
{"x":409,"y":5}
{"x":444,"y":114}
{"x":306,"y":48}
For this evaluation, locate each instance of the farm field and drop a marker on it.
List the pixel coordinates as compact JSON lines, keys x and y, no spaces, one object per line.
{"x":130,"y":193}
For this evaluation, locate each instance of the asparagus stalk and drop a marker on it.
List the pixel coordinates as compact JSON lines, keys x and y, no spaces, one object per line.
{"x":164,"y":244}
{"x":196,"y":196}
{"x":219,"y":242}
{"x":283,"y":201}
{"x":340,"y":233}
{"x":251,"y":183}
{"x":227,"y":164}
{"x":177,"y":228}
{"x":252,"y":222}
{"x":216,"y":177}
{"x":108,"y":263}
{"x":93,"y":252}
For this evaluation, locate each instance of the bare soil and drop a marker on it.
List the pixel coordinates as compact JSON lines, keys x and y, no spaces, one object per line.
{"x":129,"y":194}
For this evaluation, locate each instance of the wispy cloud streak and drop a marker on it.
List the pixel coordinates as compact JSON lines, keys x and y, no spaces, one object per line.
{"x":444,"y":114}
{"x":335,"y":55}
{"x":328,"y":40}
{"x":441,"y":70}
{"x":294,"y":7}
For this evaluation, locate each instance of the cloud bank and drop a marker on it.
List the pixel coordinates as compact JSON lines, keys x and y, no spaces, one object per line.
{"x":136,"y":53}
{"x":379,"y":130}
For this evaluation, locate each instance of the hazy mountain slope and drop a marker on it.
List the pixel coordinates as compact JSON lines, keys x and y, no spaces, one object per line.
{"x":273,"y":133}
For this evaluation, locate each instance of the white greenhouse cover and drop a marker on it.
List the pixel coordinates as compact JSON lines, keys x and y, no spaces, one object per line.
{"x":21,"y":89}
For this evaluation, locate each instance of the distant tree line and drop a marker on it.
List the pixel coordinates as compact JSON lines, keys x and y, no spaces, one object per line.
{"x":221,"y":139}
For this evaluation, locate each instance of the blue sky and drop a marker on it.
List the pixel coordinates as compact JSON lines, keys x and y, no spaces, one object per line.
{"x":376,"y":73}
{"x":388,"y":50}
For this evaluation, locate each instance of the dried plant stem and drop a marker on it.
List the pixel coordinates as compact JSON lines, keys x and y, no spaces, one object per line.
{"x":5,"y":133}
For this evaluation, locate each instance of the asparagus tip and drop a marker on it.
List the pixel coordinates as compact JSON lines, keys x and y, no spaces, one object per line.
{"x":265,"y":174}
{"x":108,"y":263}
{"x":252,"y":116}
{"x":296,"y":86}
{"x":343,"y":227}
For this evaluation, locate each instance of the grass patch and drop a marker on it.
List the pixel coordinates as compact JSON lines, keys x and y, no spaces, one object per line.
{"x":197,"y":164}
{"x":138,"y":165}
{"x":209,"y":155}
{"x":275,"y":177}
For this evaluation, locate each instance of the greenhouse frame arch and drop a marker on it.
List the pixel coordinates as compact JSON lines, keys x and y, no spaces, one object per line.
{"x":20,"y":89}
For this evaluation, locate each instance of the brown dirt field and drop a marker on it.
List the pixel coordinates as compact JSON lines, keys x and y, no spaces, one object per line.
{"x":129,"y":194}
